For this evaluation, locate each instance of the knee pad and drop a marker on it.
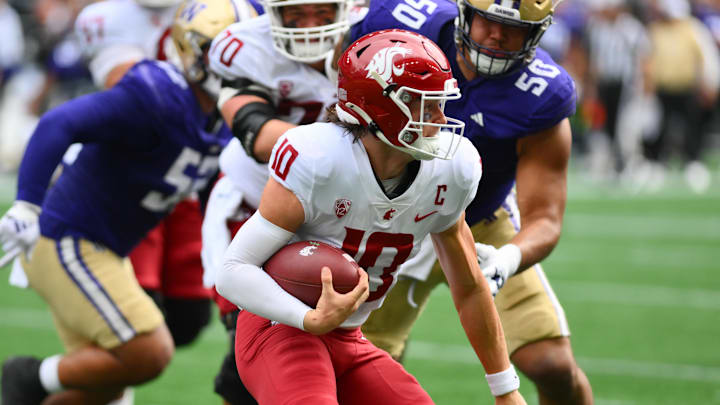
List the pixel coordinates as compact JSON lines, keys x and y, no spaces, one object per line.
{"x":185,"y":318}
{"x":156,"y":296}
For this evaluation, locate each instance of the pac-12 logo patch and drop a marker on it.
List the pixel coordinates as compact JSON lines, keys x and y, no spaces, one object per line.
{"x":342,"y":207}
{"x":285,"y":87}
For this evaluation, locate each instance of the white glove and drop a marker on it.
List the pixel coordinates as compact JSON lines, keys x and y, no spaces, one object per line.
{"x":223,"y":202}
{"x":498,"y":264}
{"x":19,"y":227}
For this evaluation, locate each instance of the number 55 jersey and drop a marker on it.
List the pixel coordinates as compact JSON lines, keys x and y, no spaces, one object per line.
{"x":345,"y":206}
{"x":496,"y":112}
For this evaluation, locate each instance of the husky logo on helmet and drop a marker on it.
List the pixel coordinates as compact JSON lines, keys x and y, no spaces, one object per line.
{"x":382,"y":63}
{"x":195,"y":25}
{"x":191,"y":10}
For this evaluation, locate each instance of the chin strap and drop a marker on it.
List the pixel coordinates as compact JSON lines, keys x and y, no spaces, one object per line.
{"x":349,"y":118}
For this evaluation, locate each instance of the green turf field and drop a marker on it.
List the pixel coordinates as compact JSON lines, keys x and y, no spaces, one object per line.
{"x":639,"y":277}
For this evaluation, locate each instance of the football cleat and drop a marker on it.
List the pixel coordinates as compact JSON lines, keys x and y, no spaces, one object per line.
{"x":21,"y":381}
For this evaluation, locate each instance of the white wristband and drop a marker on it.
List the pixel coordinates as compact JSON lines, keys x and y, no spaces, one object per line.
{"x":503,"y":382}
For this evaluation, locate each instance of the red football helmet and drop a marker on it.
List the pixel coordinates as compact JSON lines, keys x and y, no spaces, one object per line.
{"x":381,"y":74}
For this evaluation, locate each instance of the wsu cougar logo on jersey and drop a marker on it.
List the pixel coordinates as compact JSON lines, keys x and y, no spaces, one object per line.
{"x":382,"y":62}
{"x":342,"y":206}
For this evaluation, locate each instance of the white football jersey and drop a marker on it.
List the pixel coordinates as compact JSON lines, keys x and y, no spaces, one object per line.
{"x":345,"y":206}
{"x":245,"y":50}
{"x":247,"y":175}
{"x":113,"y":32}
{"x":300,"y":93}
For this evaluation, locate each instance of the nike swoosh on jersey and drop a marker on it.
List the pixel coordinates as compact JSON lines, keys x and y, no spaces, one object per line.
{"x":419,"y":218}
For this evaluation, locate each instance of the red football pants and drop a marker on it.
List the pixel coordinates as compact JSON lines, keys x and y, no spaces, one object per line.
{"x":168,"y":258}
{"x":283,"y":365}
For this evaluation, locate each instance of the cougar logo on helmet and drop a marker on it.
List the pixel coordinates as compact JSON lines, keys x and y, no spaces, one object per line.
{"x":195,"y":25}
{"x":418,"y":71}
{"x":382,"y":62}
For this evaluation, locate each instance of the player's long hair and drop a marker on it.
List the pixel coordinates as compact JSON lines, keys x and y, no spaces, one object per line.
{"x":356,"y":130}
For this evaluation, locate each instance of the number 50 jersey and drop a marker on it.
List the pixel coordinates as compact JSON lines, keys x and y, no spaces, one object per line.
{"x":496,"y":112}
{"x":344,"y":205}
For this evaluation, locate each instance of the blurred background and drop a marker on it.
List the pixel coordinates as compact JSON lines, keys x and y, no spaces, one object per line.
{"x":637,"y":268}
{"x":647,"y":74}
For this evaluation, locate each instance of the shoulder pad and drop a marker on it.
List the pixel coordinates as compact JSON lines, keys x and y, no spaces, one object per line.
{"x":103,"y":24}
{"x":426,"y":18}
{"x":244,"y":50}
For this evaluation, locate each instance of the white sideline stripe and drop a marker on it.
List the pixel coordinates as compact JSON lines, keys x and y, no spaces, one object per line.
{"x":646,"y":295}
{"x":40,"y":319}
{"x":26,"y":318}
{"x":8,"y":184}
{"x":642,"y":256}
{"x":613,"y":367}
{"x":653,"y":226}
{"x":639,"y":294}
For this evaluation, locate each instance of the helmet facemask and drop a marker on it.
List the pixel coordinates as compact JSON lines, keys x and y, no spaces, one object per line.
{"x":444,"y":143}
{"x":491,"y":62}
{"x":307,"y":45}
{"x":192,"y":50}
{"x":387,"y":75}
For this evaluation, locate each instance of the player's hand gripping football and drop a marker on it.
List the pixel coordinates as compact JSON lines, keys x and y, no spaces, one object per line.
{"x":19,"y":229}
{"x":497,"y":264}
{"x":334,"y":308}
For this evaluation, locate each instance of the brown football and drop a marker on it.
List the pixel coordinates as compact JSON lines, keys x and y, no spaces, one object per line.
{"x":297,"y":266}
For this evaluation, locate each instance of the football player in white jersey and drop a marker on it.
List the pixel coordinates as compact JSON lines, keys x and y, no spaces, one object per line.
{"x":150,"y":140}
{"x":523,"y":134}
{"x":387,"y":155}
{"x":274,"y":78}
{"x":274,"y":69}
{"x":167,"y":262}
{"x":116,"y":34}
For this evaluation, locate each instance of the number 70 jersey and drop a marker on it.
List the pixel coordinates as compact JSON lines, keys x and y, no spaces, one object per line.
{"x":345,"y":206}
{"x":244,"y":50}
